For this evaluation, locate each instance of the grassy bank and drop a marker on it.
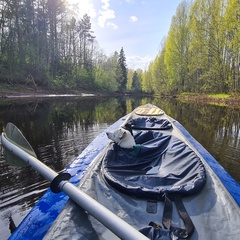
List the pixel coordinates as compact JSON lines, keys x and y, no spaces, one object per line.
{"x":7,"y":91}
{"x":220,"y":99}
{"x":14,"y":91}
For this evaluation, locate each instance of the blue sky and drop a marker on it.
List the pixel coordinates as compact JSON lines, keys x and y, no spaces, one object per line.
{"x":136,"y":25}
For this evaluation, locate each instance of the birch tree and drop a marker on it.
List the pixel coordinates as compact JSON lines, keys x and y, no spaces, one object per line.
{"x":177,"y":45}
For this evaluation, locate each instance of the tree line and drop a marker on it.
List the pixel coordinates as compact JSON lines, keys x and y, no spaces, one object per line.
{"x":42,"y":44}
{"x":201,"y":52}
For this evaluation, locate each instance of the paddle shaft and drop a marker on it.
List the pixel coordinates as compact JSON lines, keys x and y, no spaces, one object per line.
{"x":119,"y":227}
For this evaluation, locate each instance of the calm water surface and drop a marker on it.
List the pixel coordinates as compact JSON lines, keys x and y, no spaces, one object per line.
{"x":60,"y":128}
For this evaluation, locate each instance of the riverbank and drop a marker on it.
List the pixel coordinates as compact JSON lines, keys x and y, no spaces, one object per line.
{"x":20,"y":91}
{"x":9,"y":91}
{"x":213,"y":99}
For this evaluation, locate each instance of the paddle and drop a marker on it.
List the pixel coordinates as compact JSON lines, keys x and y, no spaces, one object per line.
{"x":15,"y":144}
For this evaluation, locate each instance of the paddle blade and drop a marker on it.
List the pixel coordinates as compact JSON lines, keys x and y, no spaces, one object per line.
{"x":14,"y":135}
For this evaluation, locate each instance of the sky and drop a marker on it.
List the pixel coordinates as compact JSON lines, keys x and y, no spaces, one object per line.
{"x":139,"y":26}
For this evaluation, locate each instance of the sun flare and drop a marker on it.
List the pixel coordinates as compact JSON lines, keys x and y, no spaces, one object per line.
{"x":82,"y":7}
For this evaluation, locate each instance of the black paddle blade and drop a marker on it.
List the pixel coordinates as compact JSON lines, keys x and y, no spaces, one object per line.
{"x":14,"y":135}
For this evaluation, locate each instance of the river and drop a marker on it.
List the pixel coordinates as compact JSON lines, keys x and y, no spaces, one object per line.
{"x":59,"y":128}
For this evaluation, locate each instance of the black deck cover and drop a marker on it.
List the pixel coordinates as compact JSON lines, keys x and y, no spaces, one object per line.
{"x":159,"y":163}
{"x":151,"y":123}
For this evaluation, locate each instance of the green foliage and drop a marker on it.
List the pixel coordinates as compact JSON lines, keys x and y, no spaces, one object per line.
{"x":177,"y":44}
{"x":83,"y":78}
{"x":134,"y":80}
{"x":201,"y":51}
{"x":232,"y":46}
{"x":219,"y":95}
{"x":58,"y":83}
{"x":106,"y":73}
{"x":130,"y":79}
{"x":41,"y":44}
{"x":105,"y":80}
{"x":159,"y":73}
{"x":147,"y":81}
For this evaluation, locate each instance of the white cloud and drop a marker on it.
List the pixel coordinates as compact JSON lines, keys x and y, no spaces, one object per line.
{"x":112,"y":25}
{"x":135,"y":62}
{"x":130,"y":1}
{"x":106,"y":14}
{"x":106,"y":4}
{"x":133,"y":19}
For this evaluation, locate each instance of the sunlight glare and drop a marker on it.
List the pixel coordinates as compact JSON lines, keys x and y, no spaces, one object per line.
{"x":82,"y":6}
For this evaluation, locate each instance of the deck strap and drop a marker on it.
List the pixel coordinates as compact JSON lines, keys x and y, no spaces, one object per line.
{"x":167,"y":217}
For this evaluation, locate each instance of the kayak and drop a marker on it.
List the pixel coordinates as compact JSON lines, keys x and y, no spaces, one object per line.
{"x":167,"y":186}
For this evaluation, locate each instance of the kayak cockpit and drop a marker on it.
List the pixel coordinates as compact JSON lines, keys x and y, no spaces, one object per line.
{"x":160,"y":167}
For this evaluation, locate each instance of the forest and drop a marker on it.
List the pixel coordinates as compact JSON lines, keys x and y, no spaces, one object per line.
{"x":42,"y":45}
{"x":201,"y":53}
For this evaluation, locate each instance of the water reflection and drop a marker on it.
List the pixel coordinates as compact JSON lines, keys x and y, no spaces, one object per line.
{"x":59,"y":129}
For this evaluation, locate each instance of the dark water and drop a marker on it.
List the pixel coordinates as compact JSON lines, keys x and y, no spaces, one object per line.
{"x":60,"y":128}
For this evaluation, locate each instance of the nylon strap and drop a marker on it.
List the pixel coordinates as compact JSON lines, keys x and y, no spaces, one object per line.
{"x":167,"y":213}
{"x":167,"y":217}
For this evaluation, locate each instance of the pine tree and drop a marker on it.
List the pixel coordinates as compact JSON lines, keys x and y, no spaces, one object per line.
{"x":122,"y":77}
{"x":136,"y":82}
